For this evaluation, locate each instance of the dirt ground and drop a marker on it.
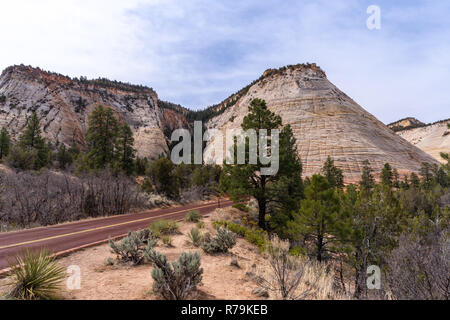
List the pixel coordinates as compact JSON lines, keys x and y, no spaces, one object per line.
{"x":221,"y":280}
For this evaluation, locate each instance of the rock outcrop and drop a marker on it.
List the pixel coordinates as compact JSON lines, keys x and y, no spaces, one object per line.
{"x":63,"y":106}
{"x":432,"y":138}
{"x":325,"y":121}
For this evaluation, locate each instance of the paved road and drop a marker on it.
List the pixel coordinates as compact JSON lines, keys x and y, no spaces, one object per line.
{"x":68,"y":237}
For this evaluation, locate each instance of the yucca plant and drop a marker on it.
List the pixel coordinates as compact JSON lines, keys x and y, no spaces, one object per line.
{"x":35,"y":276}
{"x":195,"y":237}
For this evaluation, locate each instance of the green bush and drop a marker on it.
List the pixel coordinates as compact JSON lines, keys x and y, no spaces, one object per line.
{"x":221,"y":243}
{"x":193,"y":216}
{"x":35,"y":276}
{"x":133,"y":247}
{"x":195,"y":237}
{"x":241,"y":206}
{"x":147,"y":186}
{"x":200,"y":224}
{"x":255,"y":236}
{"x":163,"y":227}
{"x":178,"y":280}
{"x":167,"y":241}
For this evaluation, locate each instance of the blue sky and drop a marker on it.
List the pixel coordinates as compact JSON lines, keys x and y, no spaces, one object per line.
{"x":198,"y":52}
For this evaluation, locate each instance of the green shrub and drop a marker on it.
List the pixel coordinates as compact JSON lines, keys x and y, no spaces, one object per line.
{"x":223,"y":241}
{"x":164,"y":227}
{"x":200,"y":224}
{"x":167,"y":240}
{"x":195,"y":237}
{"x":178,"y":280}
{"x":241,"y":206}
{"x":193,"y":216}
{"x":147,"y":186}
{"x":133,"y":247}
{"x":255,"y":236}
{"x":35,"y":276}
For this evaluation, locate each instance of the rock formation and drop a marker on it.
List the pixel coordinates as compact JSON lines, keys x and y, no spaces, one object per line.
{"x":63,"y":106}
{"x":325,"y":121}
{"x":432,"y":138}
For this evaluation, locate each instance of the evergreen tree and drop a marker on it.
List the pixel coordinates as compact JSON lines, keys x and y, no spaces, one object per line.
{"x":64,"y":157}
{"x":245,"y":180}
{"x":387,"y":175}
{"x":101,"y":137}
{"x":427,"y":175}
{"x":5,"y":143}
{"x":32,"y":141}
{"x":367,"y":180}
{"x":161,"y":174}
{"x":319,"y":221}
{"x":125,"y":150}
{"x":415,"y":181}
{"x":395,"y":178}
{"x":333,"y":174}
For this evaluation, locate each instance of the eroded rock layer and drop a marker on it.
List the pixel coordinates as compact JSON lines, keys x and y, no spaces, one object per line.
{"x":325,"y":121}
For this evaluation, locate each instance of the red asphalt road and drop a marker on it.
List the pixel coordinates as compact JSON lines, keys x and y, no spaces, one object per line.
{"x":67,"y":237}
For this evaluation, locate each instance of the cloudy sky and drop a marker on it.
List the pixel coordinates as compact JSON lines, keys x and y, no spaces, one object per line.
{"x":198,"y":52}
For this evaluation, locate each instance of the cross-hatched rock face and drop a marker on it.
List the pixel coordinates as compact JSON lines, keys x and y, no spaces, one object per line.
{"x":63,"y":106}
{"x":325,"y":122}
{"x":433,"y":139}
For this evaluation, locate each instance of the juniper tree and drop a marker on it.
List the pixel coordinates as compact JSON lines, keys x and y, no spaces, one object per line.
{"x":333,"y":174}
{"x":5,"y":143}
{"x":124,"y":149}
{"x":101,"y":137}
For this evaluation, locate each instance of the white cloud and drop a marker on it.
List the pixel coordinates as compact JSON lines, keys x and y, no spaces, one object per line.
{"x":198,"y":52}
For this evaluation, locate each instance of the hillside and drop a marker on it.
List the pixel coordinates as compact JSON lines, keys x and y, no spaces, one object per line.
{"x":325,"y":121}
{"x":432,"y":138}
{"x":63,"y":105}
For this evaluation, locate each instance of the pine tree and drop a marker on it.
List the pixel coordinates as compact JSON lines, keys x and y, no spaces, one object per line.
{"x":32,"y":141}
{"x":387,"y":175}
{"x":5,"y":143}
{"x":243,"y":180}
{"x":367,"y":180}
{"x":64,"y":157}
{"x":319,"y":220}
{"x":101,"y":137}
{"x":333,"y":174}
{"x":125,"y":150}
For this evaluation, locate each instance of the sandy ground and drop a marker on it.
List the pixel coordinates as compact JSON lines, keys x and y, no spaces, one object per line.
{"x":221,"y":280}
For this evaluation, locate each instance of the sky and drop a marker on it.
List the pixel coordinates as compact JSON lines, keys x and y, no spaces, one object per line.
{"x":198,"y":52}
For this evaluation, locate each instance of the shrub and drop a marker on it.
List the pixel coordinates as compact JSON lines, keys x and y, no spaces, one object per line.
{"x":241,"y":206}
{"x":178,"y":280}
{"x":223,"y":241}
{"x":147,"y":186}
{"x":167,"y":241}
{"x":164,"y":227}
{"x":255,"y":236}
{"x":133,"y":247}
{"x":286,"y":271}
{"x":200,"y":224}
{"x":195,"y":237}
{"x":35,"y":276}
{"x":193,"y":216}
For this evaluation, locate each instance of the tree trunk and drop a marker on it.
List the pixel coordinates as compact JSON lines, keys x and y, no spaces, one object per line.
{"x":262,"y":214}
